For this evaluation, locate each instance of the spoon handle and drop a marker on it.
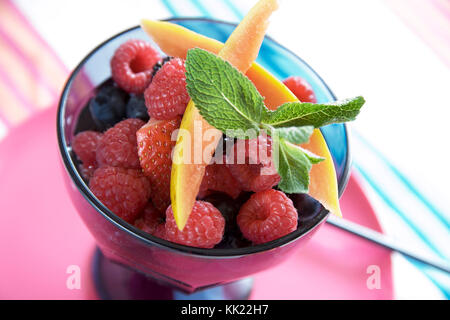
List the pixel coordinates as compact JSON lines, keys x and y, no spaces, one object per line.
{"x":388,"y":242}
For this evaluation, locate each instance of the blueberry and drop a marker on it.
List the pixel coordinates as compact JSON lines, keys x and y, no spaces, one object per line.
{"x":308,"y":208}
{"x":136,"y":108}
{"x":229,"y":208}
{"x":159,"y":65}
{"x":233,"y":239}
{"x":85,"y":121}
{"x":108,"y":106}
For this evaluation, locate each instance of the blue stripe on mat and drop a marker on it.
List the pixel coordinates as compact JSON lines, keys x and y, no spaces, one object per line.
{"x":429,"y":272}
{"x":233,"y":8}
{"x":408,"y":184}
{"x":205,"y":12}
{"x":170,"y":7}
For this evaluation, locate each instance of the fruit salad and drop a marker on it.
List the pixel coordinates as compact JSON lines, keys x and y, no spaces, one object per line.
{"x":264,"y":167}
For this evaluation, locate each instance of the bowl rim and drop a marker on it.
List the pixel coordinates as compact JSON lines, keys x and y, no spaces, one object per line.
{"x":151,"y":240}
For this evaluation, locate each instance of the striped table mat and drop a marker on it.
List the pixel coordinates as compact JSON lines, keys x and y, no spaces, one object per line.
{"x":31,"y":75}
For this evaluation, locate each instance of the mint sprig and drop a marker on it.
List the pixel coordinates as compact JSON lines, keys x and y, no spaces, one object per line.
{"x":230,"y":102}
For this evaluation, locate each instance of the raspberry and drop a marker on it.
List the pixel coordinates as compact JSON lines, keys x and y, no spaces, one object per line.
{"x":150,"y":219}
{"x":118,"y":146}
{"x":258,"y":173}
{"x":204,"y":228}
{"x":132,"y":64}
{"x":160,"y":231}
{"x":84,"y":145}
{"x":155,"y":146}
{"x":167,"y":96}
{"x":218,"y":178}
{"x":266,"y":216}
{"x":301,"y":89}
{"x":124,"y":191}
{"x":87,"y":171}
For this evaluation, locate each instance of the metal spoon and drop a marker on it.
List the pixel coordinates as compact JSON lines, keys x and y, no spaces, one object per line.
{"x":387,"y":242}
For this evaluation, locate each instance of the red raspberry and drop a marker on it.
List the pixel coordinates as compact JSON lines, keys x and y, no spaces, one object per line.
{"x":301,"y":89}
{"x":118,"y":146}
{"x":266,"y":216}
{"x":160,"y":231}
{"x":155,"y":146}
{"x":258,"y":172}
{"x":167,"y":97}
{"x":218,"y":178}
{"x":204,"y":228}
{"x":87,"y":171}
{"x":124,"y":191}
{"x":132,"y":65}
{"x":84,"y":145}
{"x":150,"y":219}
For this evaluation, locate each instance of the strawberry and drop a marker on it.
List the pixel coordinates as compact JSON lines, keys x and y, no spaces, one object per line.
{"x":155,"y":146}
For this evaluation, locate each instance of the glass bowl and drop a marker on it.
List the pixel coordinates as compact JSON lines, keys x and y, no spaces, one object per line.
{"x":133,"y":256}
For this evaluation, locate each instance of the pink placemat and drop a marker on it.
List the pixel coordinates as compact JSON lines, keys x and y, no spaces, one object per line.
{"x":42,"y":237}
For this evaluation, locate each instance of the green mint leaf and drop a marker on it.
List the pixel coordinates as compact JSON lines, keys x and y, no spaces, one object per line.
{"x":315,"y":159}
{"x":225,"y":97}
{"x":295,"y":135}
{"x":297,"y":114}
{"x":293,"y":166}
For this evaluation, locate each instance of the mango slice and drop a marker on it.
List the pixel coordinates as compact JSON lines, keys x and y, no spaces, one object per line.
{"x":175,"y":40}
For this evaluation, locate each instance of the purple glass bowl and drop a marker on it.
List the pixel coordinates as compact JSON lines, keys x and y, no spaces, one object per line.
{"x":173,"y":265}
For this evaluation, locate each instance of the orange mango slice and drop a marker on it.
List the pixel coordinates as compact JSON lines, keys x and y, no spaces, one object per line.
{"x":175,"y":40}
